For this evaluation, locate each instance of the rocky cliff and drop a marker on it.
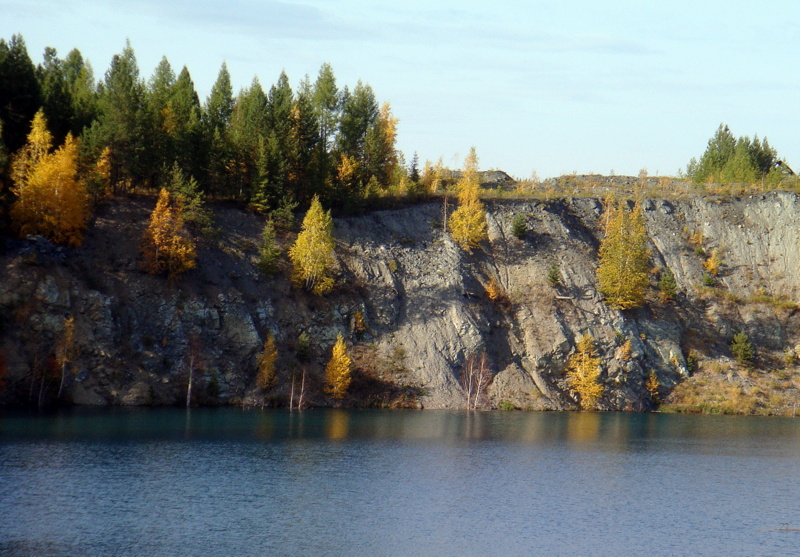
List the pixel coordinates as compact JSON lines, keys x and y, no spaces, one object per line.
{"x":414,"y":306}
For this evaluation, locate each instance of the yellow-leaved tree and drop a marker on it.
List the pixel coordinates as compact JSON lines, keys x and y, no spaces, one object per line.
{"x":337,"y":372}
{"x":266,"y":364}
{"x":51,"y":199}
{"x":468,"y":222}
{"x":166,"y":245}
{"x":583,"y":374}
{"x":312,"y":252}
{"x":622,"y":273}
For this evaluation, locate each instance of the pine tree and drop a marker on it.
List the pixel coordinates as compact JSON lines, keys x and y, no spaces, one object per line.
{"x":124,"y":124}
{"x":166,"y":245}
{"x":583,"y":374}
{"x":266,"y":364}
{"x":468,"y":222}
{"x":338,"y":370}
{"x":20,"y":94}
{"x":379,"y":147}
{"x":622,"y":273}
{"x":312,"y":252}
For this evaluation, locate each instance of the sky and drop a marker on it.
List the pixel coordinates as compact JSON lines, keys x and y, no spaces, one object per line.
{"x":544,"y":87}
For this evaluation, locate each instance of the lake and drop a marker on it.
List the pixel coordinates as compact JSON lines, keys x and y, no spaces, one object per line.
{"x":341,"y":482}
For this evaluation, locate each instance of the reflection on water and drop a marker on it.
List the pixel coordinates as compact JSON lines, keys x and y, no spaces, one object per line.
{"x":316,"y":482}
{"x":589,"y":429}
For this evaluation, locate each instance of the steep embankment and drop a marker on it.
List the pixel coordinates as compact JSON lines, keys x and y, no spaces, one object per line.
{"x":424,"y":307}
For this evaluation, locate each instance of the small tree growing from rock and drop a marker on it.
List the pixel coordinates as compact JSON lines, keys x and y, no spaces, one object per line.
{"x":583,"y":374}
{"x":266,"y":364}
{"x":623,"y":270}
{"x":312,"y":252}
{"x":338,"y":370}
{"x":468,"y":222}
{"x":741,"y":348}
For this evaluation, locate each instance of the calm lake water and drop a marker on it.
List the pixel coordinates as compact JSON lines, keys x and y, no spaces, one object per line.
{"x":329,"y":482}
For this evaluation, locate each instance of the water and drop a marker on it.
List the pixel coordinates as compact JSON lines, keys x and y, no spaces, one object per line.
{"x":329,"y":482}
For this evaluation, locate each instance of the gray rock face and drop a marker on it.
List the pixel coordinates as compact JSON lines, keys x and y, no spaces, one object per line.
{"x":422,"y":299}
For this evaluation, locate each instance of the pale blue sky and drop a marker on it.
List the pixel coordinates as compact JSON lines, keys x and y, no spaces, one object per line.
{"x":550,"y":86}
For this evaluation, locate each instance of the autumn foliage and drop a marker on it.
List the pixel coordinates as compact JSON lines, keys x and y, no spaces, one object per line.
{"x":623,"y":270}
{"x":583,"y":374}
{"x":337,"y":372}
{"x":312,"y":252}
{"x":468,"y":222}
{"x":266,"y":364}
{"x":166,"y":245}
{"x":51,"y":198}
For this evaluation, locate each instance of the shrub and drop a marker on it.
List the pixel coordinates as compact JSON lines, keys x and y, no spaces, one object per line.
{"x":709,"y":280}
{"x":554,"y":275}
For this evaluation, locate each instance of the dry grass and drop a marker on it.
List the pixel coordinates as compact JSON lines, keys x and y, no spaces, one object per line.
{"x":720,"y":388}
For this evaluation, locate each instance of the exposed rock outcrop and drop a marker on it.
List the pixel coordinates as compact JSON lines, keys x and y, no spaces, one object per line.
{"x":422,"y":300}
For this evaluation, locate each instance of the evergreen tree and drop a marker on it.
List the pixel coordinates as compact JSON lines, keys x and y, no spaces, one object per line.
{"x":124,"y":124}
{"x":728,"y":159}
{"x":82,"y":91}
{"x":379,"y":147}
{"x":188,"y":133}
{"x":303,"y":170}
{"x":359,"y":111}
{"x":217,"y":115}
{"x":268,"y":251}
{"x":20,"y":95}
{"x":186,"y":193}
{"x":312,"y":252}
{"x":338,"y":370}
{"x":249,"y":125}
{"x":622,"y":273}
{"x":56,"y":101}
{"x":219,"y":105}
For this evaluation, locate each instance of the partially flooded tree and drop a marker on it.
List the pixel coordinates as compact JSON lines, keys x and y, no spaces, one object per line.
{"x":66,"y":350}
{"x":476,"y":376}
{"x":192,"y":364}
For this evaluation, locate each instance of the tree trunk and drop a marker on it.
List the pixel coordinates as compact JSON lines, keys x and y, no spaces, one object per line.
{"x":191,"y":377}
